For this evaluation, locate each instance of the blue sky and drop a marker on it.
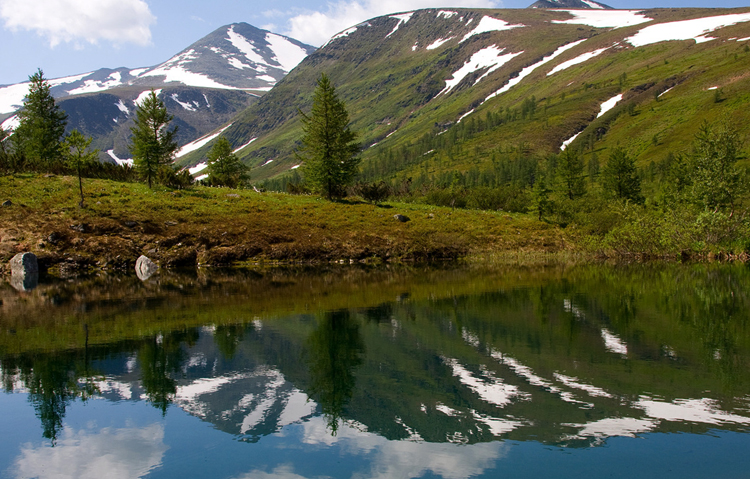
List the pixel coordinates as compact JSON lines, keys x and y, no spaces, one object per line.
{"x":67,"y":37}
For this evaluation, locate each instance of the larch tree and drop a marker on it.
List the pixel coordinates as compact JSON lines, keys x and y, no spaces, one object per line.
{"x":224,"y":168}
{"x":329,"y":148}
{"x":74,"y":151}
{"x":620,"y":177}
{"x":41,"y":124}
{"x":152,"y":144}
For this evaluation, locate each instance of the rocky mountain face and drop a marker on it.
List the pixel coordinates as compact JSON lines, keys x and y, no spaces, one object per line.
{"x":203,"y":86}
{"x":436,"y":91}
{"x":574,"y":4}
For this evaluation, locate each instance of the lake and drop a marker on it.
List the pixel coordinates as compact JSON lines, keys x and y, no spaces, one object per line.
{"x":437,"y":371}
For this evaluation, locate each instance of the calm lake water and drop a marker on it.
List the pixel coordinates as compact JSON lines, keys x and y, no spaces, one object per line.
{"x":448,"y":371}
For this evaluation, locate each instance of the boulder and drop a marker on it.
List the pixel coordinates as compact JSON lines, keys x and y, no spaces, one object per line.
{"x":145,"y":268}
{"x":24,"y":271}
{"x":7,"y":203}
{"x":401,"y":218}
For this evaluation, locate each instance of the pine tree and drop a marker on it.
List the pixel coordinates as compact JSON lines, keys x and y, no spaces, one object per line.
{"x":224,"y":168}
{"x":329,"y":148}
{"x":152,"y":144}
{"x":74,"y":151}
{"x":620,"y":177}
{"x":42,"y":124}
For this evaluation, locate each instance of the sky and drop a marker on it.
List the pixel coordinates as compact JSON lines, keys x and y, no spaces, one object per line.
{"x":69,"y":37}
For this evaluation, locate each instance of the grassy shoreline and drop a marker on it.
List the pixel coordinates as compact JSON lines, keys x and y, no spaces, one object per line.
{"x":219,"y":227}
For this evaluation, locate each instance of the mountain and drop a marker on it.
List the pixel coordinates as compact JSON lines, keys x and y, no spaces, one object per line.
{"x":433,"y":92}
{"x":574,"y":4}
{"x":203,"y":86}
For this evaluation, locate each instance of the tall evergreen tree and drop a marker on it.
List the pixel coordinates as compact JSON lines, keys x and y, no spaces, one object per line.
{"x":224,"y":168}
{"x":42,"y":124}
{"x":152,"y":144}
{"x":620,"y":177}
{"x":329,"y":148}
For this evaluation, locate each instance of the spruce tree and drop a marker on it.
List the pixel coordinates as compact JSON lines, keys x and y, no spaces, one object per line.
{"x":42,"y":125}
{"x":224,"y":168}
{"x":329,"y":148}
{"x":152,"y":144}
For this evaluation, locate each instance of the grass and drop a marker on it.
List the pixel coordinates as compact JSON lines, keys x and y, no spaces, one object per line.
{"x":215,"y":226}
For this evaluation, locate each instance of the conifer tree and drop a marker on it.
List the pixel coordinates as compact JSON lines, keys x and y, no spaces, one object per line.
{"x":41,"y":126}
{"x":570,"y":171}
{"x":329,"y":148}
{"x":75,"y":152}
{"x":224,"y":168}
{"x":152,"y":144}
{"x":620,"y":177}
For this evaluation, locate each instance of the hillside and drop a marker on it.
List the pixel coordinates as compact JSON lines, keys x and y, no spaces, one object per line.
{"x":437,"y":91}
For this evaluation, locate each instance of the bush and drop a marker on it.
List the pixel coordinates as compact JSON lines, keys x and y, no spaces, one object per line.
{"x":373,"y":192}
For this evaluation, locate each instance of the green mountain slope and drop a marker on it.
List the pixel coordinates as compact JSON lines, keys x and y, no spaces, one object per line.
{"x":439,"y":91}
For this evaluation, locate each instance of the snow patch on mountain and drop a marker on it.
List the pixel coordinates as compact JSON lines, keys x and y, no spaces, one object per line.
{"x":529,"y":69}
{"x":243,"y":146}
{"x":139,"y":101}
{"x":490,"y":57}
{"x":575,"y":61}
{"x":93,"y":86}
{"x":11,"y":123}
{"x":121,"y":106}
{"x":119,"y":161}
{"x":286,"y":53}
{"x":199,"y":143}
{"x":490,"y":24}
{"x":605,"y":18}
{"x":402,"y":18}
{"x":11,"y":97}
{"x":438,"y":43}
{"x":609,"y":104}
{"x":446,"y":14}
{"x":186,"y":106}
{"x":244,"y":46}
{"x":696,"y":29}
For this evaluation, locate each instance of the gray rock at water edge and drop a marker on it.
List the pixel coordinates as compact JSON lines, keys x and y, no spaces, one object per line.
{"x":145,"y":268}
{"x":24,"y":271}
{"x":401,"y":218}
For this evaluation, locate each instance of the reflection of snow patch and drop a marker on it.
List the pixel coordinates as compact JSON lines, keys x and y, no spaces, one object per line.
{"x":613,"y":343}
{"x":689,"y":410}
{"x":490,"y":388}
{"x":574,"y":383}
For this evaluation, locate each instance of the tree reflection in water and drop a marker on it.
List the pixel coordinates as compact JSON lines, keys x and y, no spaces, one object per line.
{"x":336,"y":348}
{"x":159,"y":359}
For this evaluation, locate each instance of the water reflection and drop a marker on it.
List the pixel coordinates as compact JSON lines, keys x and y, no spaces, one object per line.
{"x":336,"y":350}
{"x":420,"y":372}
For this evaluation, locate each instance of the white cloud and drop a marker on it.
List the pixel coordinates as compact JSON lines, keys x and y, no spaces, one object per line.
{"x":111,"y":453}
{"x":316,"y":28}
{"x":115,"y":21}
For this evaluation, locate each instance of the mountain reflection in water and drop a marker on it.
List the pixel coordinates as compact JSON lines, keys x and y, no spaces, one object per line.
{"x":413,"y":370}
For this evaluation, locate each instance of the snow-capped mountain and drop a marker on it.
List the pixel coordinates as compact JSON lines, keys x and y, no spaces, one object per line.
{"x":576,"y":4}
{"x":233,"y":57}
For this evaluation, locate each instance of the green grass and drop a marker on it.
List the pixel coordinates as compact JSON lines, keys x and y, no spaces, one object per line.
{"x":207,"y":226}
